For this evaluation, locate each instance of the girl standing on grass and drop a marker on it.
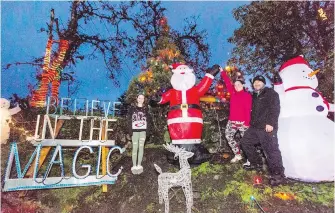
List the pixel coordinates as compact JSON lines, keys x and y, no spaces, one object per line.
{"x":139,"y":121}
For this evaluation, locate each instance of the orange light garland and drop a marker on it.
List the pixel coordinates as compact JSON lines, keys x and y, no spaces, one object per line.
{"x":146,"y":76}
{"x":284,"y":196}
{"x":230,"y":69}
{"x":142,"y":79}
{"x":209,"y":99}
{"x":51,"y":74}
{"x":168,"y":53}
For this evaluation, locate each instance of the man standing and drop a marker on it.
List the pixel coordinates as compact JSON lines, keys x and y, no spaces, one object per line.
{"x":263,"y":130}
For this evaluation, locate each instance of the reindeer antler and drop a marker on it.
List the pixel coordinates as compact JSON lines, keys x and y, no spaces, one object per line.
{"x":173,"y":148}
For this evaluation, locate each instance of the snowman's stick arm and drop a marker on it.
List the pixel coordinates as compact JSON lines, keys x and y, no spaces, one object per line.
{"x":14,"y":110}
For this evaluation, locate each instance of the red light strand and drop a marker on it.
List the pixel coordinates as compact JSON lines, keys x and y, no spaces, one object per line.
{"x":51,"y":74}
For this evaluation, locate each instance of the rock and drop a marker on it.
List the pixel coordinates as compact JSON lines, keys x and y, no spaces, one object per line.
{"x":212,"y":150}
{"x":122,"y":207}
{"x":129,"y":200}
{"x":196,"y":195}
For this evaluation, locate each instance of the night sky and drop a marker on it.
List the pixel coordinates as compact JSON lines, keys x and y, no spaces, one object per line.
{"x":21,"y":41}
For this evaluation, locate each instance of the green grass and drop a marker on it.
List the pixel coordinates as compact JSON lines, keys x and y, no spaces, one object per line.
{"x":239,"y":183}
{"x":67,"y":197}
{"x":321,"y":193}
{"x":150,"y":208}
{"x":94,"y":197}
{"x":206,"y":169}
{"x":124,"y":180}
{"x":153,"y":146}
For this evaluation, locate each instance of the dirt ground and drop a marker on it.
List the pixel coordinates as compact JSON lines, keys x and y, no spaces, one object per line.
{"x":138,"y":193}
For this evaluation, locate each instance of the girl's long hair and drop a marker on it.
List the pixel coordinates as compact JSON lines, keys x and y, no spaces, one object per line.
{"x":145,"y":102}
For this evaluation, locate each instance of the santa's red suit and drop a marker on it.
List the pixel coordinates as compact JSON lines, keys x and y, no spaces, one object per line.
{"x":185,"y":117}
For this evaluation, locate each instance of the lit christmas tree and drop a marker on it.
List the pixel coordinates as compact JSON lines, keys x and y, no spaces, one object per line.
{"x":155,"y":76}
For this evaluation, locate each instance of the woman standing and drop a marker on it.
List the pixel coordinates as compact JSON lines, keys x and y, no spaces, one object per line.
{"x":139,"y":121}
{"x":240,"y":111}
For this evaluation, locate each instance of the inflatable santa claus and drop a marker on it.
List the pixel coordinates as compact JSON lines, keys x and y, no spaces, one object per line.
{"x":185,"y":117}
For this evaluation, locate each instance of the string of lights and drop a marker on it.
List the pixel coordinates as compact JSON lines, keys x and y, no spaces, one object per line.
{"x":51,"y":74}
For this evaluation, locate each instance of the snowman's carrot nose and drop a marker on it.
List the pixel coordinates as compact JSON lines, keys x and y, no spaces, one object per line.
{"x":313,"y":73}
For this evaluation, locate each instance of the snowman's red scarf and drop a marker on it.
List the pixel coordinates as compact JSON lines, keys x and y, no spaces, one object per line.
{"x":307,"y":87}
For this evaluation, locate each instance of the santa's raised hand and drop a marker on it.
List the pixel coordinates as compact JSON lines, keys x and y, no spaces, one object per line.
{"x":214,"y":70}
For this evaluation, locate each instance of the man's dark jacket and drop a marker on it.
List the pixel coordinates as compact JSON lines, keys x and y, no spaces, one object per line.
{"x":265,"y":109}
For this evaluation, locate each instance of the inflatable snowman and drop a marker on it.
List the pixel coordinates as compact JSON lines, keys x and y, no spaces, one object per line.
{"x":185,"y":117}
{"x":305,"y":134}
{"x":5,"y":115}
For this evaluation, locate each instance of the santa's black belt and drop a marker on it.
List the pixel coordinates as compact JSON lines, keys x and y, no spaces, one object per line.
{"x":185,"y":106}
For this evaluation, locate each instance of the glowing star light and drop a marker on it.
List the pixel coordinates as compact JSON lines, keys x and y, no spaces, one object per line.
{"x":322,"y":14}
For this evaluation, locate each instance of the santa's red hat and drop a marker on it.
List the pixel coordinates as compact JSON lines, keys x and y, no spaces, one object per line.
{"x":180,"y":68}
{"x":297,"y":60}
{"x":175,"y":65}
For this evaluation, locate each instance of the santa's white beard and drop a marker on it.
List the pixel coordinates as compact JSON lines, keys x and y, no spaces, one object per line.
{"x":183,"y":81}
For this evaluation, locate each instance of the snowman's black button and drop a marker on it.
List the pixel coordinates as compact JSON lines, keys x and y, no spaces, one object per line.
{"x":320,"y":108}
{"x":315,"y":94}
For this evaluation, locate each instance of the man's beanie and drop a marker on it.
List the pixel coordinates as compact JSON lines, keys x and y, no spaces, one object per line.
{"x":259,"y":78}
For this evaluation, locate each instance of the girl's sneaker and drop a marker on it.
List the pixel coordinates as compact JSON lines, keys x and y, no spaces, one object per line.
{"x":139,"y":169}
{"x":236,"y":159}
{"x":134,"y":170}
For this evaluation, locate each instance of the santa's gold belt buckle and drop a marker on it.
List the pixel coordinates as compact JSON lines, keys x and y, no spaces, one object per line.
{"x":184,"y":106}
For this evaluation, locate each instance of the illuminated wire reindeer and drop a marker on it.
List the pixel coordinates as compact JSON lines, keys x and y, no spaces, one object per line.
{"x":182,"y":178}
